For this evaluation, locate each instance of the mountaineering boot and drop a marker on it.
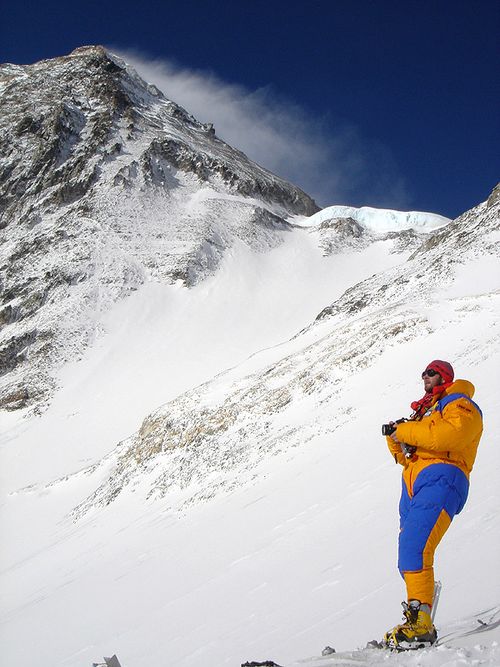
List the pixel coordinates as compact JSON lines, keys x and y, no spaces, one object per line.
{"x":417,"y":632}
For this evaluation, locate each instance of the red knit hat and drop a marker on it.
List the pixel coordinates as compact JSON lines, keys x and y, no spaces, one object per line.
{"x":444,"y":369}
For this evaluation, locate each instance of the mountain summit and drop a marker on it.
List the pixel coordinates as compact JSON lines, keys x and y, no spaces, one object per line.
{"x":66,"y":121}
{"x":105,"y":184}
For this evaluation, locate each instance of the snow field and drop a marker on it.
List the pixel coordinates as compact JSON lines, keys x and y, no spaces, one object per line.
{"x":303,"y":553}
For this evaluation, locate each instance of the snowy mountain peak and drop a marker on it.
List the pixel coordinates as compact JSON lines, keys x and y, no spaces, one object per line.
{"x":105,"y":184}
{"x":80,"y":112}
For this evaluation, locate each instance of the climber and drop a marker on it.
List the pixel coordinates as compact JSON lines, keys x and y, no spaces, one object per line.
{"x":437,"y":447}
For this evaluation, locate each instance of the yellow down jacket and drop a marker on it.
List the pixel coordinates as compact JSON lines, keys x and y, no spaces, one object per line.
{"x":448,"y":433}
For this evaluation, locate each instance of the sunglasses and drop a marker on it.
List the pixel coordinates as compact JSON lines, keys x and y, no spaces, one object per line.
{"x":430,"y":372}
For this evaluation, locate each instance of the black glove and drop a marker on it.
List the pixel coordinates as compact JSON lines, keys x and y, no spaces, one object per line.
{"x":408,"y":450}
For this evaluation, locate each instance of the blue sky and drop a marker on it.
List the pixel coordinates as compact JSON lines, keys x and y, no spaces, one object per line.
{"x":388,"y":102}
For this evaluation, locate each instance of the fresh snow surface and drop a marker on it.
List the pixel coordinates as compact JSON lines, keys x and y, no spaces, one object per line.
{"x":303,"y":553}
{"x":378,"y":219}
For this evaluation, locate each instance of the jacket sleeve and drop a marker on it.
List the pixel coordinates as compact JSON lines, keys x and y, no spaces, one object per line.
{"x":451,"y":430}
{"x":396,"y":452}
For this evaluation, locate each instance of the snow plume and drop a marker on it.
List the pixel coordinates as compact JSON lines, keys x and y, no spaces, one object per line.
{"x":332,"y":164}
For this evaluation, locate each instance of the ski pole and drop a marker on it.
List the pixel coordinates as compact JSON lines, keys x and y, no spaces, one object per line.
{"x":435,"y":600}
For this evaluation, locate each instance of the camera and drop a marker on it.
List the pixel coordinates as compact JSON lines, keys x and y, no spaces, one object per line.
{"x":388,"y":429}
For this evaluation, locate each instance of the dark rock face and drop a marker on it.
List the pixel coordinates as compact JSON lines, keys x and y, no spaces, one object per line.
{"x":347,"y":227}
{"x":495,"y":196}
{"x":340,"y":233}
{"x":54,"y":123}
{"x":104,"y":183}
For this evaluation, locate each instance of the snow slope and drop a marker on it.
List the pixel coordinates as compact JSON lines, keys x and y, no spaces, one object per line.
{"x":165,"y":339}
{"x":277,"y":535}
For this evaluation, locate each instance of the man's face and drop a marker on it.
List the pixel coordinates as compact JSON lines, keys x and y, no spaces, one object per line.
{"x":431,"y":382}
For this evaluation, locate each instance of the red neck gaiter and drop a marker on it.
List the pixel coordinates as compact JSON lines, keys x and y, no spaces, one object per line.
{"x":420,"y":407}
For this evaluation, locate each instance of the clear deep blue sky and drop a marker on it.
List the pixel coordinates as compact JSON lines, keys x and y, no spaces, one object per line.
{"x":419,"y":77}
